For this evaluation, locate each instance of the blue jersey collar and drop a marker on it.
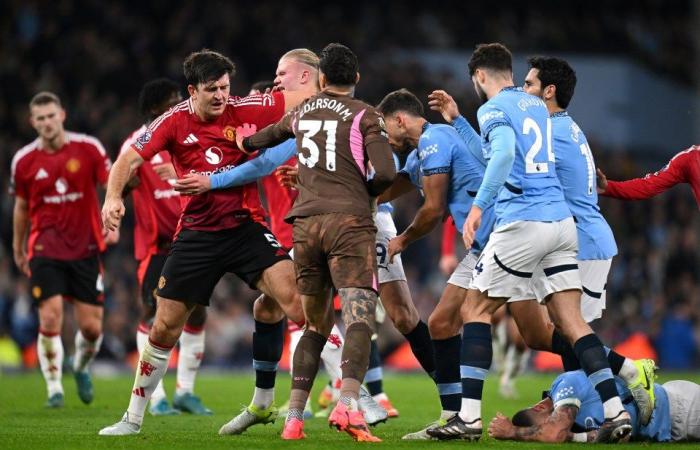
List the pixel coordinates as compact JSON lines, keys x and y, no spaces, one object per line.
{"x":426,"y":125}
{"x":511,"y":88}
{"x":559,"y":114}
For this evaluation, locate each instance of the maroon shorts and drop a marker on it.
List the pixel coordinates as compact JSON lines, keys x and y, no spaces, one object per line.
{"x":334,"y":249}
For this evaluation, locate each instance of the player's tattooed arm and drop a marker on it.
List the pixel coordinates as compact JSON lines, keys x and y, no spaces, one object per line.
{"x":358,"y":305}
{"x":555,"y":428}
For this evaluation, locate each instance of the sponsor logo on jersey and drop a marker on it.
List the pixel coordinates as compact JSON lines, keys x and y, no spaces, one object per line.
{"x":190,"y":139}
{"x":160,"y":194}
{"x":429,"y":150}
{"x":73,"y":165}
{"x":491,"y":115}
{"x":230,"y":133}
{"x":575,"y":132}
{"x":213,"y":155}
{"x":61,"y":186}
{"x":41,"y":174}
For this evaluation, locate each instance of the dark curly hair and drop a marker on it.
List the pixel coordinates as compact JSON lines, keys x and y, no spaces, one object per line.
{"x":339,"y":65}
{"x":558,"y":72}
{"x":154,"y":93}
{"x":205,"y":66}
{"x":493,"y":56}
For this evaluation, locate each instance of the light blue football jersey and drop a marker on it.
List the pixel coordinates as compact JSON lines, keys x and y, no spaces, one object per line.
{"x":577,"y":175}
{"x":575,"y":386}
{"x":442,"y":150}
{"x":532,"y":190}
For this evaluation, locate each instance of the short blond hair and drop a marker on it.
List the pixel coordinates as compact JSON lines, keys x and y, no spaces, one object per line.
{"x":304,"y":56}
{"x":44,"y":98}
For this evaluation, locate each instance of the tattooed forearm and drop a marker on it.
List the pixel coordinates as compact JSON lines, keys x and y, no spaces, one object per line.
{"x":358,"y":305}
{"x":555,"y":429}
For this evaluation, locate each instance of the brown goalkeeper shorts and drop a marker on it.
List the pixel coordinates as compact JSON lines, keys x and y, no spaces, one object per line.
{"x":334,"y":248}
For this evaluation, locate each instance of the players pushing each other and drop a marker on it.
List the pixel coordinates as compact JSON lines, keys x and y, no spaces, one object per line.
{"x":58,"y":238}
{"x":219,"y":232}
{"x":334,"y":234}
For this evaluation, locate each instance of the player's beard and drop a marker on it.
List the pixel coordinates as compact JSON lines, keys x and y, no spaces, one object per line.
{"x":480,"y":92}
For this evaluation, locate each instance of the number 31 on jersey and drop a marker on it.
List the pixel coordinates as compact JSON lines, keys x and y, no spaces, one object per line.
{"x":310,"y":129}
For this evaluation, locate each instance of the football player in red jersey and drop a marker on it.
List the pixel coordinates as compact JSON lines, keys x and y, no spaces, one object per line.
{"x":58,"y":238}
{"x":682,"y":168}
{"x":218,"y":232}
{"x":156,"y":210}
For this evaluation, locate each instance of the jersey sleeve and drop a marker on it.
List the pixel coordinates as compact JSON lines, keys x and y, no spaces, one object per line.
{"x":491,"y":116}
{"x":264,"y":164}
{"x":411,"y":169}
{"x":435,"y":153}
{"x":675,"y":172}
{"x":102,"y":162}
{"x":18,"y":186}
{"x":470,"y":137}
{"x":569,"y":389}
{"x":260,"y":110}
{"x":373,"y":129}
{"x":157,"y":137}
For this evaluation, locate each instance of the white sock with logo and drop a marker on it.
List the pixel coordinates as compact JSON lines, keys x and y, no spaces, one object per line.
{"x":50,"y":349}
{"x":85,"y":351}
{"x":332,"y":352}
{"x":191,"y":353}
{"x":149,"y":372}
{"x":141,"y":339}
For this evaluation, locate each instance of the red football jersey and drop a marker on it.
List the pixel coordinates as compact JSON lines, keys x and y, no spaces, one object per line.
{"x":60,"y":189}
{"x":203,"y":147}
{"x":682,"y":168}
{"x":279,"y":201}
{"x":156,"y":205}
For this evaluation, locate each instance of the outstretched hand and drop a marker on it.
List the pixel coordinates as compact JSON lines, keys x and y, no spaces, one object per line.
{"x":601,"y":181}
{"x":443,"y":103}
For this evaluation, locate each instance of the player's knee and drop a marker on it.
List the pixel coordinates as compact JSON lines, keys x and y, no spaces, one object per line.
{"x":91,"y":331}
{"x":358,"y":305}
{"x":266,"y":309}
{"x":535,"y":338}
{"x":442,"y":326}
{"x":50,"y":319}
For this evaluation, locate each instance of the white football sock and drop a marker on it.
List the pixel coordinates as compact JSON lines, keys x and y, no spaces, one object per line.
{"x":332,"y":352}
{"x":263,"y":398}
{"x":612,"y":408}
{"x":141,"y":339}
{"x":149,"y":372}
{"x":470,"y":410}
{"x":191,"y":353}
{"x":85,"y":351}
{"x":628,"y":371}
{"x":50,"y":349}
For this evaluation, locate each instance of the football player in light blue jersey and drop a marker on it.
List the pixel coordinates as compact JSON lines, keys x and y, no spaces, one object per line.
{"x":554,"y":81}
{"x":449,"y":176}
{"x":571,"y":411}
{"x":534,"y":229}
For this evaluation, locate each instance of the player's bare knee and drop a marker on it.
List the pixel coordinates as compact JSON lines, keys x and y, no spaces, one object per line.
{"x":266,"y":310}
{"x":198,"y":317}
{"x":358,"y":306}
{"x":91,"y":331}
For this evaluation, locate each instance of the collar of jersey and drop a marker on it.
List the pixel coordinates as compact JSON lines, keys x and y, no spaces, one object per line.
{"x":559,"y":114}
{"x":511,"y":88}
{"x":425,"y":127}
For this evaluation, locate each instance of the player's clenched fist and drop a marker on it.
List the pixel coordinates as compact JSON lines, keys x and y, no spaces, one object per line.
{"x":112,"y":213}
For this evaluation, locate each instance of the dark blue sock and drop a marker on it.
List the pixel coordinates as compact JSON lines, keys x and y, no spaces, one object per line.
{"x":268,"y":340}
{"x":561,"y":347}
{"x":477,"y":353}
{"x":422,"y":347}
{"x":447,"y":372}
{"x":374,"y":375}
{"x":594,"y":362}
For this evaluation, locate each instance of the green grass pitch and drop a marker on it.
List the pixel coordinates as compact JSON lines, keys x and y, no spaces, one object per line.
{"x":26,"y":424}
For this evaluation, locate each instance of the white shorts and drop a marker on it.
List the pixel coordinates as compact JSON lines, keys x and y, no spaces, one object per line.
{"x":386,"y":231}
{"x":509,"y":264}
{"x":594,"y":278}
{"x":462,"y":276}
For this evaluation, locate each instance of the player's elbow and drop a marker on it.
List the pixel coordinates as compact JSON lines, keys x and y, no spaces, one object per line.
{"x":381,"y":182}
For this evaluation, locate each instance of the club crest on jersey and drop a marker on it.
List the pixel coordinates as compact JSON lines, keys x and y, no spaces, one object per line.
{"x":36,"y":292}
{"x":214,"y":155}
{"x":73,"y":165}
{"x":230,"y":133}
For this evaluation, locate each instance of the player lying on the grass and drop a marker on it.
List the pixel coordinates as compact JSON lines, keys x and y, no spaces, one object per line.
{"x":572,"y":412}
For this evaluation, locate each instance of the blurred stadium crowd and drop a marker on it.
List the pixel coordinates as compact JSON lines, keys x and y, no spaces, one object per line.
{"x":96,"y":56}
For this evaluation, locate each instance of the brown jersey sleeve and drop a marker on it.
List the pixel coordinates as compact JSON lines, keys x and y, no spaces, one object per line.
{"x":378,"y":151}
{"x":272,"y":134}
